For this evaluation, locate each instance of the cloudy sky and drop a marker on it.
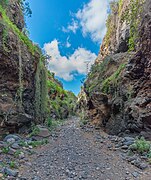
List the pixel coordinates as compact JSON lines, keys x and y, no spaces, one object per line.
{"x":71,"y":33}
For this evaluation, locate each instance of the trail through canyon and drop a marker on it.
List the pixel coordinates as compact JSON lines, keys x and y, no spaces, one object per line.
{"x":76,"y":153}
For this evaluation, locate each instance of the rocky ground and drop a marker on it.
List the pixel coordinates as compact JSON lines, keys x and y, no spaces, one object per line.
{"x":75,"y":153}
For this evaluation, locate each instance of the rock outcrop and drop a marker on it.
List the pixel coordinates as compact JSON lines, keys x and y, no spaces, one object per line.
{"x":118,"y":88}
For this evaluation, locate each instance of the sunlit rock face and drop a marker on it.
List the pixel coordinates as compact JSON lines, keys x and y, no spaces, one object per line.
{"x":118,"y":88}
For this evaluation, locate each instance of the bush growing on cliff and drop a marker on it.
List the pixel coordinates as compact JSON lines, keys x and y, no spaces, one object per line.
{"x":97,"y":69}
{"x":54,"y":87}
{"x":9,"y":24}
{"x":136,"y":7}
{"x":4,"y":3}
{"x":110,"y":24}
{"x":112,"y":80}
{"x":132,"y":16}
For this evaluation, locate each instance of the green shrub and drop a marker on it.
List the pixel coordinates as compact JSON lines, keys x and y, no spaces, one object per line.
{"x":84,"y":122}
{"x":18,"y":152}
{"x":49,"y":122}
{"x":54,"y":87}
{"x":149,"y":154}
{"x":132,"y":16}
{"x":38,"y":143}
{"x":13,"y":164}
{"x":5,"y":150}
{"x":35,"y":131}
{"x":23,"y":144}
{"x":141,"y":145}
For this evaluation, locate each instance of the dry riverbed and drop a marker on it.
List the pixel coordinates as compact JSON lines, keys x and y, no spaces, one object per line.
{"x":75,"y":153}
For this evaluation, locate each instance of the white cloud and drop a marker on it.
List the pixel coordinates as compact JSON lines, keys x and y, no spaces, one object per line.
{"x":68,"y":44}
{"x":67,"y":67}
{"x":93,"y":19}
{"x":64,"y":29}
{"x":71,"y":27}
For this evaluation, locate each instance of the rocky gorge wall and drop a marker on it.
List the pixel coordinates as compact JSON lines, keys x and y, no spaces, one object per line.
{"x":24,"y":79}
{"x":17,"y":69}
{"x":118,"y":88}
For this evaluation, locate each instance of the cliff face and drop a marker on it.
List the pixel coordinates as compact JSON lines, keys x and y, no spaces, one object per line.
{"x":18,"y":65}
{"x":23,"y":76}
{"x":118,"y":88}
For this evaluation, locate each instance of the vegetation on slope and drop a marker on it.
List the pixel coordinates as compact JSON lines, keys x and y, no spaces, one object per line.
{"x":131,"y":15}
{"x":110,"y":24}
{"x":61,"y":103}
{"x":11,"y":26}
{"x":112,"y":80}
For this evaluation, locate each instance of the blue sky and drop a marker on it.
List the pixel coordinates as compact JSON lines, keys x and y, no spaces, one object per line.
{"x":71,"y":33}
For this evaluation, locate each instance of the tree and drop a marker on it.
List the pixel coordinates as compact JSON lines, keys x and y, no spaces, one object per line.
{"x":25,"y":8}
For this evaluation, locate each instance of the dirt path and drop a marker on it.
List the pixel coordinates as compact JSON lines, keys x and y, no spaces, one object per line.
{"x":77,"y":154}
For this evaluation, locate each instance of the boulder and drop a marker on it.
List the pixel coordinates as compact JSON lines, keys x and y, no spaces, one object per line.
{"x":12,"y":137}
{"x":42,"y":131}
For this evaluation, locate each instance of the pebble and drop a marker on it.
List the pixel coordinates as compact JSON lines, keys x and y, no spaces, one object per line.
{"x":15,"y":146}
{"x":10,"y":140}
{"x":10,"y":172}
{"x":21,"y":155}
{"x":11,"y":151}
{"x":135,"y":174}
{"x":143,"y":166}
{"x":124,"y":147}
{"x":1,"y":175}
